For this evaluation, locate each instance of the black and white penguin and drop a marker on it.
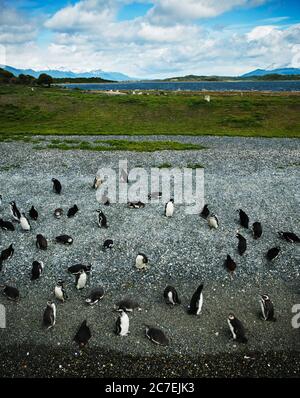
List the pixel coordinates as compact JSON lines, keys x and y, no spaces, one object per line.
{"x":122,"y":324}
{"x":273,"y":253}
{"x":213,"y":221}
{"x":58,"y":213}
{"x":96,"y":294}
{"x":56,"y":186}
{"x":136,"y":205}
{"x":77,"y":268}
{"x":171,"y":296}
{"x":97,"y":182}
{"x":196,"y":303}
{"x":49,"y":317}
{"x":127,"y":305}
{"x":14,"y":211}
{"x":37,"y":269}
{"x":12,"y":293}
{"x":141,"y":261}
{"x":64,"y":239}
{"x":205,"y":212}
{"x":242,"y":245}
{"x":6,"y":225}
{"x":72,"y":211}
{"x":155,"y":195}
{"x":101,"y":219}
{"x":244,"y":219}
{"x":230,"y":264}
{"x":289,"y":237}
{"x":257,"y":230}
{"x":108,"y":244}
{"x":237,"y":329}
{"x":169,"y":208}
{"x":81,"y":279}
{"x":60,"y":292}
{"x":156,"y":335}
{"x":267,"y":308}
{"x":41,"y":242}
{"x":24,"y":222}
{"x":33,"y":214}
{"x":6,"y":254}
{"x":83,"y":334}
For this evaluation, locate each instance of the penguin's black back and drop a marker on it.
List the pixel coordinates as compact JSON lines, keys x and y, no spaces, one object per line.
{"x":230,"y":264}
{"x":72,"y":211}
{"x":56,"y":186}
{"x":257,"y":230}
{"x":205,"y":212}
{"x":11,"y":292}
{"x":6,"y":225}
{"x":194,"y":300}
{"x":174,"y":294}
{"x":41,"y":242}
{"x":242,"y":245}
{"x":36,"y":270}
{"x":83,"y":334}
{"x":289,"y":236}
{"x":244,"y":219}
{"x":239,"y":330}
{"x":33,"y":213}
{"x":273,"y":253}
{"x":48,"y":317}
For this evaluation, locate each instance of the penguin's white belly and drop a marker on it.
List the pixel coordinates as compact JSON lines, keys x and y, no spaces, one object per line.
{"x":200,"y":303}
{"x":169,"y":210}
{"x":212,"y":223}
{"x":170,"y":297}
{"x":231,"y":329}
{"x":139,"y":262}
{"x":59,"y":293}
{"x":81,"y":281}
{"x":124,"y":325}
{"x":24,"y":224}
{"x":263,"y":310}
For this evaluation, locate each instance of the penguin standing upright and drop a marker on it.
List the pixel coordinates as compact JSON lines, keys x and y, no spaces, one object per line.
{"x":81,"y":279}
{"x":49,"y":317}
{"x":72,"y":211}
{"x":41,"y":242}
{"x":242,"y":245}
{"x":6,"y":254}
{"x":60,"y":292}
{"x":213,"y":221}
{"x":205,"y":211}
{"x":244,"y":219}
{"x":37,"y":269}
{"x":289,"y":236}
{"x":56,"y":186}
{"x":141,"y":261}
{"x":6,"y":225}
{"x":96,"y":294}
{"x":171,"y":296}
{"x":122,"y":324}
{"x":14,"y":211}
{"x":257,"y":230}
{"x":33,"y":214}
{"x":267,"y":308}
{"x":169,"y":208}
{"x":83,"y":334}
{"x":1,"y":198}
{"x":102,"y":221}
{"x":25,"y":225}
{"x":196,"y":303}
{"x":237,"y":329}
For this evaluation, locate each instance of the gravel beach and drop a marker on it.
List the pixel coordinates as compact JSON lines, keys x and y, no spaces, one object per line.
{"x":261,"y":176}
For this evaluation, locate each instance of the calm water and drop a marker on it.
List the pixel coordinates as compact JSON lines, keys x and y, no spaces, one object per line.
{"x":193,"y":86}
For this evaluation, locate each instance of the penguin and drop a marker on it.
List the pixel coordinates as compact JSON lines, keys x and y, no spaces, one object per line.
{"x":257,"y":230}
{"x":237,"y":329}
{"x":1,"y":198}
{"x":155,"y":195}
{"x":127,"y":305}
{"x":25,"y":225}
{"x":64,"y":239}
{"x":102,"y":221}
{"x":37,"y":269}
{"x":141,"y":261}
{"x":273,"y":253}
{"x":72,"y":211}
{"x":156,"y":335}
{"x":60,"y":292}
{"x":12,"y":293}
{"x":242,"y":245}
{"x":6,"y":254}
{"x":6,"y":225}
{"x":230,"y":264}
{"x":171,"y":296}
{"x":108,"y":244}
{"x":49,"y":317}
{"x":81,"y":279}
{"x":56,"y":186}
{"x":122,"y":324}
{"x":97,"y":182}
{"x":14,"y":211}
{"x":136,"y":205}
{"x":213,"y":221}
{"x":96,"y":294}
{"x":289,"y":237}
{"x":267,"y":308}
{"x":33,"y":214}
{"x":205,"y":212}
{"x":244,"y":219}
{"x":83,"y":335}
{"x":169,"y":208}
{"x":77,"y":268}
{"x":196,"y":303}
{"x":41,"y":242}
{"x":58,"y":213}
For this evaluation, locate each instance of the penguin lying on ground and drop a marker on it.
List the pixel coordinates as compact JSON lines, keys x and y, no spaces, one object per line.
{"x":244,"y":219}
{"x":127,"y":305}
{"x":156,"y":335}
{"x":257,"y":230}
{"x":64,"y":239}
{"x":12,"y":293}
{"x":56,"y":186}
{"x":96,"y":295}
{"x":273,"y":253}
{"x":289,"y":237}
{"x":6,"y":255}
{"x":6,"y":225}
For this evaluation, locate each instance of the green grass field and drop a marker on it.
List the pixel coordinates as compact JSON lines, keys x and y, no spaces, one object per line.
{"x":63,"y":112}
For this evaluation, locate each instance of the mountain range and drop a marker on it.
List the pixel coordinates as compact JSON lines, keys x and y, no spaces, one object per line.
{"x":279,"y":71}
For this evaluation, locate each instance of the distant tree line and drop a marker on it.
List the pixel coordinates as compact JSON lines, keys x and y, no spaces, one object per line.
{"x":7,"y":77}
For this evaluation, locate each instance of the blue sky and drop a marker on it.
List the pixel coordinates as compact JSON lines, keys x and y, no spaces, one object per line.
{"x":155,"y":38}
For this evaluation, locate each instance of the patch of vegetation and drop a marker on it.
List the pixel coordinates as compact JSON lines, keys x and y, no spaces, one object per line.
{"x":195,"y":166}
